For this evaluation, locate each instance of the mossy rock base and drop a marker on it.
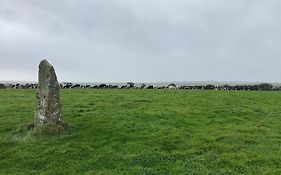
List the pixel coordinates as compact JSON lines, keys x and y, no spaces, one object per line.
{"x":41,"y":130}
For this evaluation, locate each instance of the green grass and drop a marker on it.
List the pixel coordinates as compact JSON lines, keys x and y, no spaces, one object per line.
{"x":146,"y":132}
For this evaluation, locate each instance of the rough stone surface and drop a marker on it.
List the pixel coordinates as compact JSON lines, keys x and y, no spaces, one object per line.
{"x":48,"y":107}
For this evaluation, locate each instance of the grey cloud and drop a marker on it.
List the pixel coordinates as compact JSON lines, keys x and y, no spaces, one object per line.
{"x":156,"y":40}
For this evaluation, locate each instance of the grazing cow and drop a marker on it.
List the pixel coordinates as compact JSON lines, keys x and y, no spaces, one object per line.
{"x":265,"y":87}
{"x":184,"y":87}
{"x":76,"y":86}
{"x":16,"y":86}
{"x":172,"y":86}
{"x":123,"y":87}
{"x":103,"y":86}
{"x":2,"y":86}
{"x":253,"y":87}
{"x":22,"y":86}
{"x":226,"y":87}
{"x":32,"y":86}
{"x":113,"y":86}
{"x":209,"y":87}
{"x":95,"y":87}
{"x":240,"y":87}
{"x":198,"y":87}
{"x":150,"y":87}
{"x":66,"y":85}
{"x":142,"y":86}
{"x":130,"y":85}
{"x":161,"y":87}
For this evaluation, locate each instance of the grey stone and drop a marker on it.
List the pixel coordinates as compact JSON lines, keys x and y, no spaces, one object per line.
{"x":48,"y":107}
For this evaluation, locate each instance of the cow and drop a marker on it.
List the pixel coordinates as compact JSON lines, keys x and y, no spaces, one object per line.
{"x":103,"y":86}
{"x":183,"y":87}
{"x":3,"y":86}
{"x":130,"y":85}
{"x":142,"y":86}
{"x":76,"y":86}
{"x":209,"y":87}
{"x":161,"y":87}
{"x":95,"y":87}
{"x":66,"y":85}
{"x":172,"y":86}
{"x":123,"y":87}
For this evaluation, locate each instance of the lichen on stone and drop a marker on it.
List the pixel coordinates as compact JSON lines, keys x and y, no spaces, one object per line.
{"x":48,"y":107}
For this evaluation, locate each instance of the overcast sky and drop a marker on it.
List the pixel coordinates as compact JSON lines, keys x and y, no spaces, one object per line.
{"x":142,"y":40}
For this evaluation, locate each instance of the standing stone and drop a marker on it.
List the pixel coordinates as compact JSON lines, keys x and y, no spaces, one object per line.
{"x":48,"y":108}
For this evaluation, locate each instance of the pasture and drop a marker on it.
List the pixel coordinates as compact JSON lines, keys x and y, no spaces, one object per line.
{"x":146,"y":132}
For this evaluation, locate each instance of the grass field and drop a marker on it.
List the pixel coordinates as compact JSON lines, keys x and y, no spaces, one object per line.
{"x":146,"y":132}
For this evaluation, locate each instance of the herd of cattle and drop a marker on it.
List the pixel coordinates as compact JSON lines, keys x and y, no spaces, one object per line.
{"x":130,"y":85}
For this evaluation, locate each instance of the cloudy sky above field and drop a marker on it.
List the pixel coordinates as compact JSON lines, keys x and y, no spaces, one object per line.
{"x":142,"y":40}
